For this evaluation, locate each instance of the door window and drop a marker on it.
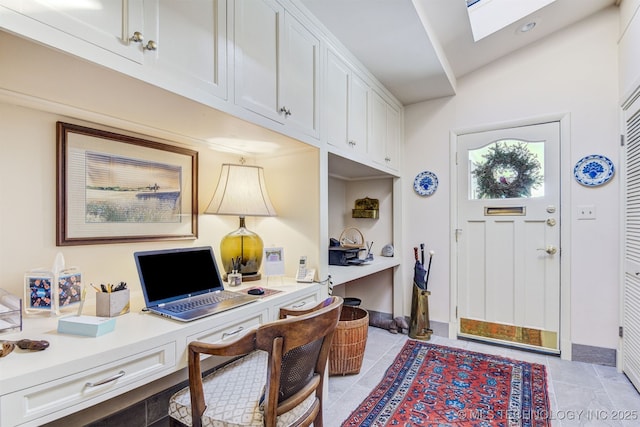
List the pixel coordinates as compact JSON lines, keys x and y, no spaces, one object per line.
{"x":507,"y":169}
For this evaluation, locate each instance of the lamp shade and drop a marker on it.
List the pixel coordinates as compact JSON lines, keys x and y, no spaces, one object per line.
{"x":241,"y":191}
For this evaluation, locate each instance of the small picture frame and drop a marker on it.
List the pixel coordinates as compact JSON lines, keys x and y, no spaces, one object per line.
{"x":69,"y":289}
{"x":40,"y":292}
{"x":273,"y":262}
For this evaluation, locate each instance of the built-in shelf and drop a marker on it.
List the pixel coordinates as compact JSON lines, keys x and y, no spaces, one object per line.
{"x":343,"y":274}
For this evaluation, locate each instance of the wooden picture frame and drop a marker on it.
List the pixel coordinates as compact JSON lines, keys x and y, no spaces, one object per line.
{"x":114,"y":188}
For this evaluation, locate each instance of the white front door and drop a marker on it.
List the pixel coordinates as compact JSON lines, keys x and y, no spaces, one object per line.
{"x":508,"y":236}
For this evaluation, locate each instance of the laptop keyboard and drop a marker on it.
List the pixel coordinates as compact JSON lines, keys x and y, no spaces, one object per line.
{"x":199,"y":302}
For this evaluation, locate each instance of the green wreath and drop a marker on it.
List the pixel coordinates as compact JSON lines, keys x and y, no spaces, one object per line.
{"x":509,"y":171}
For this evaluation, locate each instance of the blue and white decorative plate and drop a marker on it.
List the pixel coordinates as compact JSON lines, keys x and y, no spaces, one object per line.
{"x":593,"y":170}
{"x":425,"y":183}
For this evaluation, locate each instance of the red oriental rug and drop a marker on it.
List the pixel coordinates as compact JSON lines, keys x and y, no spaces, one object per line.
{"x":432,"y":385}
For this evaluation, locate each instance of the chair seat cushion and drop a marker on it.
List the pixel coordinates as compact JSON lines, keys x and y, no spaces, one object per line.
{"x":232,"y":395}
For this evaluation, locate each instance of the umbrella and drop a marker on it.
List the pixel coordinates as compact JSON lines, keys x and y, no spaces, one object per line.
{"x":419,"y":272}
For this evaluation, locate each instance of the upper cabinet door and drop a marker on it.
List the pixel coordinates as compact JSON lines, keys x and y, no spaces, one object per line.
{"x":256,"y":35}
{"x":337,"y":101}
{"x":191,"y":40}
{"x":346,"y":106}
{"x":80,"y":27}
{"x":384,"y":137}
{"x":276,"y":65}
{"x":300,"y":68}
{"x":358,"y":113}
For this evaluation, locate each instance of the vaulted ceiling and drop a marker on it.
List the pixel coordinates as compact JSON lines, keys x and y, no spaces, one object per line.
{"x":419,"y":48}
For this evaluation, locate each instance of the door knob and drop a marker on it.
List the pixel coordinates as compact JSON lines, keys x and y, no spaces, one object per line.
{"x":551,"y":250}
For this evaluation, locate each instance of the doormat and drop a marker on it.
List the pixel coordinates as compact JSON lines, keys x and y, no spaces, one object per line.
{"x":432,"y":385}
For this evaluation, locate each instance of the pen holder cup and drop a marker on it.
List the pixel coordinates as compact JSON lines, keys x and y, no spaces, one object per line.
{"x":112,"y":304}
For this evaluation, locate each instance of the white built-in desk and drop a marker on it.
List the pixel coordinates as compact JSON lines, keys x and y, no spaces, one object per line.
{"x":39,"y":387}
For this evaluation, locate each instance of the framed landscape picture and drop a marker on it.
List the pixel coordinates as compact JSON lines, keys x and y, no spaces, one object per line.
{"x":114,"y":188}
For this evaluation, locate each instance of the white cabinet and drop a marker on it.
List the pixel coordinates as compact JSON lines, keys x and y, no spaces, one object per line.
{"x":179,"y":46}
{"x":346,"y":106}
{"x":384,"y":134}
{"x":276,"y":63}
{"x":191,"y":40}
{"x":84,"y":28}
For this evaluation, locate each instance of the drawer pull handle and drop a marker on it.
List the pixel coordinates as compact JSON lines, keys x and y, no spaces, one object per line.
{"x":302,"y":304}
{"x":237,"y":331}
{"x":106,"y":380}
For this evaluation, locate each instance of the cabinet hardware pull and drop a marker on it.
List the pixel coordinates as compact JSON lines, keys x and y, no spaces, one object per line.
{"x":286,"y":111}
{"x":302,"y":304}
{"x":151,"y":45}
{"x":106,"y":380}
{"x":137,"y":37}
{"x":228,"y":334}
{"x":352,"y":143}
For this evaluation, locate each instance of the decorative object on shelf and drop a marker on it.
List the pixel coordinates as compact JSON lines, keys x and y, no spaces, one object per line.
{"x":593,"y":170}
{"x":116,"y":188}
{"x":351,"y":237}
{"x":425,"y":183}
{"x":387,"y":250}
{"x":241,"y":191}
{"x":509,"y":171}
{"x":366,"y":208}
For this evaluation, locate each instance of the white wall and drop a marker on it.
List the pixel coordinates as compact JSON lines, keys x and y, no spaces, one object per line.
{"x":574,"y":71}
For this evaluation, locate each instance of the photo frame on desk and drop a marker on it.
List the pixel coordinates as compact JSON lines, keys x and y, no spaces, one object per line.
{"x":39,"y":292}
{"x":114,"y":188}
{"x":273,"y":262}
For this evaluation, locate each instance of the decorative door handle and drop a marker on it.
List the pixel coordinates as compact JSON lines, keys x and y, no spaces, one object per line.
{"x":551,"y":250}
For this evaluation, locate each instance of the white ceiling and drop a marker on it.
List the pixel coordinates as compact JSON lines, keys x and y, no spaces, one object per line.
{"x":419,"y":48}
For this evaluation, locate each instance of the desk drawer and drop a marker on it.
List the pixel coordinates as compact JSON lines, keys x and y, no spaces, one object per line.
{"x":301,"y":303}
{"x":85,"y":388}
{"x":229,"y":331}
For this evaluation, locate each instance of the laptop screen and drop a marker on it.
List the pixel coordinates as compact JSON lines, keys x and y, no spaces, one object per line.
{"x":170,"y":274}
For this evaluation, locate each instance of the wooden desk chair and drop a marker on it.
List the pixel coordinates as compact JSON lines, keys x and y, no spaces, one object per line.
{"x":277,"y":382}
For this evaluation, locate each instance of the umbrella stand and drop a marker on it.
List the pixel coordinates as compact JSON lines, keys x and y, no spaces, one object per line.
{"x":420,"y":327}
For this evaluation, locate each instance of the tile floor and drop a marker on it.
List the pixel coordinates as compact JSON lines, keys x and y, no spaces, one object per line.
{"x":580,"y":394}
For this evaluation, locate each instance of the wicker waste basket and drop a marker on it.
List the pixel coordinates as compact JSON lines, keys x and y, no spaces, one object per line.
{"x":349,"y":341}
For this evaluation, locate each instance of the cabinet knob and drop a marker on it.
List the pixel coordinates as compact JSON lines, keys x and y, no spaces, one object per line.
{"x":137,"y":37}
{"x":286,"y":111}
{"x":352,"y":143}
{"x":151,"y":45}
{"x":387,"y":159}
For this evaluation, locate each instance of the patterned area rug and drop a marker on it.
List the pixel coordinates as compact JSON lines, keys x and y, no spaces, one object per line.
{"x":432,"y":385}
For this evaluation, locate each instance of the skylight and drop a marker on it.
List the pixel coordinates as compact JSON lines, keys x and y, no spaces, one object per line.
{"x":489,"y":16}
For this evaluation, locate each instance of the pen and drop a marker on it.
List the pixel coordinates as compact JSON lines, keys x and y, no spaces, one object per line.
{"x":95,"y":287}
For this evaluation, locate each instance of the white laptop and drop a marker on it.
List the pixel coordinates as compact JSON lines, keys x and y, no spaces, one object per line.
{"x":185,"y":284}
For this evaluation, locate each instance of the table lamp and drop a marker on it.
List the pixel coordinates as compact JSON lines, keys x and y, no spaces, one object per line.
{"x":241,"y":191}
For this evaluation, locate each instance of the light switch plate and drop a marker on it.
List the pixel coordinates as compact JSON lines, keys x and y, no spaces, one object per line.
{"x":587,"y":212}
